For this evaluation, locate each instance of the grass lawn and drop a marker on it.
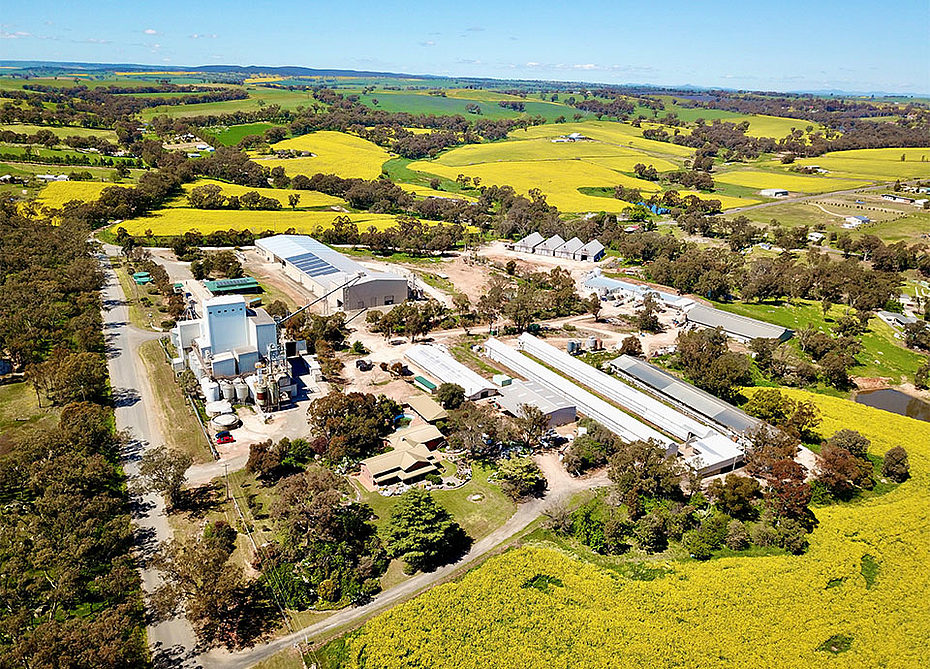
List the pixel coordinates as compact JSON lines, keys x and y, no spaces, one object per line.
{"x":141,"y":316}
{"x":181,"y":429}
{"x":882,"y":356}
{"x":286,"y":659}
{"x":477,"y":518}
{"x":20,"y":411}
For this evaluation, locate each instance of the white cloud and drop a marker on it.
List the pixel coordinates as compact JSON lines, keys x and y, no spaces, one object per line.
{"x":428,"y":43}
{"x":533,"y":63}
{"x":203,"y":36}
{"x":17,"y":35}
{"x":586,"y":66}
{"x":150,"y":31}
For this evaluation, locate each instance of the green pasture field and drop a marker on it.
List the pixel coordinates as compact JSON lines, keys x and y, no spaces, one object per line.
{"x":882,"y":354}
{"x":258,"y":96}
{"x":61,"y":130}
{"x":233,"y":134}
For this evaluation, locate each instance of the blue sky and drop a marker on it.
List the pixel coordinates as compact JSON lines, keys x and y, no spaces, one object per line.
{"x":787,"y":45}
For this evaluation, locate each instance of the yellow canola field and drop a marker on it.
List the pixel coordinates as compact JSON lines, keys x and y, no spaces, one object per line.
{"x":177,"y":221}
{"x":792,"y":182}
{"x":626,"y":162}
{"x":57,"y":193}
{"x":879,"y":164}
{"x":726,"y":201}
{"x":308,"y":198}
{"x":546,"y":149}
{"x":621,"y":134}
{"x":334,"y":153}
{"x":773,"y":126}
{"x":558,"y":180}
{"x":61,"y":131}
{"x":772,"y":611}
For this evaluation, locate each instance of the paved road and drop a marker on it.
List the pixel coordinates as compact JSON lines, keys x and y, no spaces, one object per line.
{"x":804,"y":198}
{"x":172,"y":642}
{"x":561,"y":488}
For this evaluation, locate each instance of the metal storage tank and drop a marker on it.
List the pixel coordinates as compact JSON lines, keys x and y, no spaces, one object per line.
{"x":229,"y":392}
{"x":211,"y":389}
{"x":592,"y":343}
{"x":225,"y":421}
{"x":260,"y":392}
{"x":242,"y":391}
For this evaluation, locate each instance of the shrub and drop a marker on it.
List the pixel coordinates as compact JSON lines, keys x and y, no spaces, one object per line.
{"x":650,"y":533}
{"x":792,"y":536}
{"x":763,"y":534}
{"x":737,"y":536}
{"x":328,"y":590}
{"x":896,"y":466}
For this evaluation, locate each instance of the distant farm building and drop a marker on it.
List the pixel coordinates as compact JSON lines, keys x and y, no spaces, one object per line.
{"x":437,"y":362}
{"x":548,"y":247}
{"x":553,"y":406}
{"x":773,"y":192}
{"x":895,"y":319}
{"x":738,"y":327}
{"x":607,"y":287}
{"x":322,"y":271}
{"x":529,"y":243}
{"x":555,"y":246}
{"x":856,"y":221}
{"x":893,"y":197}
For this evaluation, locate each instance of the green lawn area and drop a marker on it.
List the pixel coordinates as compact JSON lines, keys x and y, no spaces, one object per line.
{"x":182,"y":429}
{"x":477,"y":518}
{"x":140,"y":315}
{"x":286,"y":659}
{"x":20,"y":411}
{"x":882,"y":356}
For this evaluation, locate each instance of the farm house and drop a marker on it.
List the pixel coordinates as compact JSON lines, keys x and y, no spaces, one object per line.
{"x":321,"y":270}
{"x":404,"y":465}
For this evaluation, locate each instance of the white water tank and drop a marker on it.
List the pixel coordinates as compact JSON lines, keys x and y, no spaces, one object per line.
{"x":229,"y":392}
{"x":242,"y":391}
{"x":211,"y":389}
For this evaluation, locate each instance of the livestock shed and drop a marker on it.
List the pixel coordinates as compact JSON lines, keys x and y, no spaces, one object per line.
{"x":439,"y":363}
{"x":773,"y":192}
{"x":529,"y":243}
{"x":322,"y":270}
{"x":683,"y":395}
{"x":622,"y":424}
{"x":741,"y":328}
{"x":554,"y":406}
{"x":548,"y":247}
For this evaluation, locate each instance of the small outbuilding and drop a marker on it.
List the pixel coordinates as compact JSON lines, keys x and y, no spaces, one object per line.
{"x":554,"y":407}
{"x":773,"y":192}
{"x":428,"y":409}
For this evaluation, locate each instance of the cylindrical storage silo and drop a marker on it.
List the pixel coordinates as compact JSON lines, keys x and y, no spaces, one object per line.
{"x":229,"y":392}
{"x":242,"y":391}
{"x":211,"y":389}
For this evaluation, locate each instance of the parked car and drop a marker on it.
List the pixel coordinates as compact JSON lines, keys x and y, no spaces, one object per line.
{"x":224,"y":437}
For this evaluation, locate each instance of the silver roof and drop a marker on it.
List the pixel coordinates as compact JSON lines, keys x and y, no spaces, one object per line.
{"x":683,"y":393}
{"x":741,"y":326}
{"x":438,"y":362}
{"x":519,"y":393}
{"x":551,"y":244}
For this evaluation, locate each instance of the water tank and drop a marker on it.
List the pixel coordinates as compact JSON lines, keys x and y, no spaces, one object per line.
{"x":242,"y":391}
{"x":225,"y":421}
{"x":260,"y":392}
{"x":572,"y":346}
{"x":592,"y":343}
{"x":229,"y":392}
{"x":211,"y":389}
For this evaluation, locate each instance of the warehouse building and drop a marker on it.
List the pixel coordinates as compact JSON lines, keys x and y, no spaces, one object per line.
{"x":554,"y":406}
{"x":590,"y":252}
{"x":569,"y":248}
{"x":682,"y":395}
{"x":437,"y":362}
{"x":741,"y":328}
{"x":245,"y":284}
{"x":427,"y":408}
{"x":321,"y":270}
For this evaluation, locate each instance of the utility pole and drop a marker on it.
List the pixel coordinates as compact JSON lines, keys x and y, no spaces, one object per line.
{"x":226,"y":476}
